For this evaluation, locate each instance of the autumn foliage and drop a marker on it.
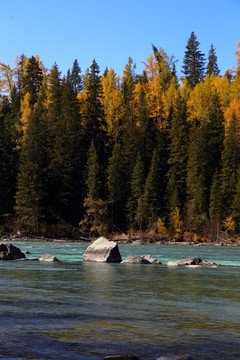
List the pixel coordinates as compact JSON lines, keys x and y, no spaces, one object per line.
{"x":95,"y":154}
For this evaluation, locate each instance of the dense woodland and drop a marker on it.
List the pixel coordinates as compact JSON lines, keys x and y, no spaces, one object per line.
{"x":149,"y":153}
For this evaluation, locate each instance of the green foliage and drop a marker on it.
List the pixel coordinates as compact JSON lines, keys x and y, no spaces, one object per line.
{"x":137,"y":188}
{"x":230,"y":165}
{"x":151,"y":203}
{"x":75,"y":77}
{"x":8,"y":160}
{"x":178,"y":151}
{"x":104,"y":153}
{"x":193,"y":62}
{"x":94,"y":185}
{"x":216,"y":202}
{"x":32,"y":79}
{"x":31,"y":195}
{"x":206,"y":145}
{"x":212,"y":66}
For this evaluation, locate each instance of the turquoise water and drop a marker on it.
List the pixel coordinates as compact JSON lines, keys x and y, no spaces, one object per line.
{"x":80,"y":310}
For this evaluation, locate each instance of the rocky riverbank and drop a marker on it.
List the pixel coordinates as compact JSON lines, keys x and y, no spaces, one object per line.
{"x":133,"y":240}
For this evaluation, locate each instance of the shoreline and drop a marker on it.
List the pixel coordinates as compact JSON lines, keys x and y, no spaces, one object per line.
{"x":138,"y":240}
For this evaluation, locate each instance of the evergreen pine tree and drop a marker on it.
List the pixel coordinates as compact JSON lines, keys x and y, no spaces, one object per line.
{"x":116,"y":188}
{"x":94,"y":121}
{"x":69,"y":157}
{"x":216,"y":203}
{"x":212,"y":66}
{"x":95,"y":220}
{"x":206,"y":144}
{"x":137,"y":187}
{"x":93,"y":180}
{"x":215,"y":208}
{"x":128,"y":80}
{"x":32,"y":79}
{"x":31,"y":196}
{"x":230,"y":165}
{"x":151,"y":203}
{"x":236,"y":203}
{"x":193,"y":61}
{"x":178,"y":148}
{"x":8,"y":160}
{"x":54,"y":95}
{"x":75,"y":77}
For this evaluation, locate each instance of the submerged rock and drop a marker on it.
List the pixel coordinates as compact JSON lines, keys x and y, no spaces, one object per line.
{"x":181,"y":357}
{"x":192,"y":262}
{"x":146,"y":259}
{"x":136,"y":260}
{"x":151,"y":259}
{"x":120,"y":357}
{"x":49,"y":258}
{"x":10,"y":252}
{"x":103,"y":250}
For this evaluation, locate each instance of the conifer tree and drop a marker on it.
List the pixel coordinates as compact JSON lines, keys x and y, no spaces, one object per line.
{"x":206,"y":146}
{"x":216,"y":202}
{"x":31,"y":196}
{"x":151,"y":203}
{"x":116,"y":188}
{"x":8,"y":160}
{"x":69,"y":157}
{"x":75,"y":77}
{"x":93,"y":180}
{"x":96,"y":213}
{"x":165,"y":67}
{"x":212,"y":66}
{"x":128,"y":80}
{"x":230,"y":165}
{"x":193,"y":62}
{"x":236,"y":203}
{"x":94,"y":121}
{"x":137,"y":188}
{"x":54,"y":95}
{"x":32,"y":79}
{"x":178,"y":147}
{"x":215,"y":208}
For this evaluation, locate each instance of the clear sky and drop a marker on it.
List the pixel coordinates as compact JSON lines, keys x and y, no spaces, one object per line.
{"x":112,"y":30}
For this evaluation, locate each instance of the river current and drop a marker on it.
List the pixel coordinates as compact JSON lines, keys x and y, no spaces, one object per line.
{"x":80,"y":310}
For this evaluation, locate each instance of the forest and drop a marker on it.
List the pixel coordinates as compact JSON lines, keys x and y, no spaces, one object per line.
{"x":150,"y":153}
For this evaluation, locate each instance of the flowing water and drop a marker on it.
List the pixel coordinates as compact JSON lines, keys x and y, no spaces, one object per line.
{"x":81,"y":310}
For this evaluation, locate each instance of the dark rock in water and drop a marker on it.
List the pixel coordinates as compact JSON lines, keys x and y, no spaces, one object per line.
{"x":192,"y":262}
{"x":120,"y":357}
{"x":181,"y":357}
{"x":103,"y":250}
{"x":26,"y":252}
{"x":10,"y":252}
{"x":48,"y":258}
{"x":146,"y":259}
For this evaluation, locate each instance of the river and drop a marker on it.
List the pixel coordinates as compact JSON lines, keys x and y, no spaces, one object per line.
{"x":81,"y":310}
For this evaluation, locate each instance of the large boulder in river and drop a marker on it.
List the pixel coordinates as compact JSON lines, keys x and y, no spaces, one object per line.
{"x":146,"y":259}
{"x":103,"y":250}
{"x":10,"y":252}
{"x":192,"y":262}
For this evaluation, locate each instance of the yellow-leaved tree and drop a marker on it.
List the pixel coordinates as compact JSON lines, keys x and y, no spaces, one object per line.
{"x":113,"y":103}
{"x":156,"y":102}
{"x":26,"y":110}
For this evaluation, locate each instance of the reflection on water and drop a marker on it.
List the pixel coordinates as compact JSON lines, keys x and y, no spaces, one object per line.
{"x":79,"y":310}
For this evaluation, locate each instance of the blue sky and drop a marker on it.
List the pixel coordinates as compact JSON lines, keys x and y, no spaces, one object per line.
{"x":112,"y":30}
